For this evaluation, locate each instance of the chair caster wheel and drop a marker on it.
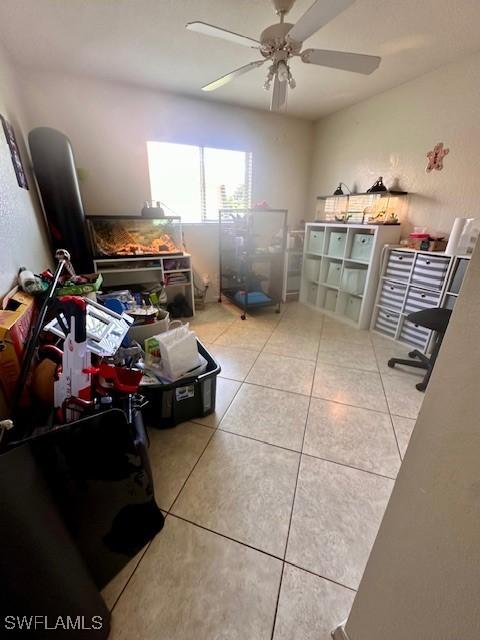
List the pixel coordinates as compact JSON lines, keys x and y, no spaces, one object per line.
{"x":219,"y":300}
{"x":412,"y":354}
{"x":277,"y":310}
{"x":421,"y":386}
{"x":243,"y":317}
{"x":391,"y":363}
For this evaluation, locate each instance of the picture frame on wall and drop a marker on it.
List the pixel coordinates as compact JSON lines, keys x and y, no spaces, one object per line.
{"x":14,"y":153}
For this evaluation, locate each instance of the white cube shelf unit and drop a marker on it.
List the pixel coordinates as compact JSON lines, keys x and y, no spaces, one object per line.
{"x":341,"y":265}
{"x":410,"y":281}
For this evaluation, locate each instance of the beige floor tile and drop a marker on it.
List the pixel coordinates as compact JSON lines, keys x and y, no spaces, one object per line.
{"x":226,"y":390}
{"x":245,"y":337}
{"x":281,"y":372}
{"x":273,"y":416}
{"x":173,"y":454}
{"x":310,"y":607}
{"x":349,"y":386}
{"x":288,"y":343}
{"x":403,"y":429}
{"x":242,"y":489}
{"x":402,"y":396}
{"x":339,"y":331}
{"x":114,"y":588}
{"x":195,"y":585}
{"x":349,"y":435}
{"x":235,"y":363}
{"x":210,"y":331}
{"x":336,"y":516}
{"x":347,"y":354}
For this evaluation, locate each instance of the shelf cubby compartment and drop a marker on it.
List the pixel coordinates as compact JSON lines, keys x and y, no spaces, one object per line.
{"x":331,"y":272}
{"x":335,"y":242}
{"x":315,"y":241}
{"x":360,"y":245}
{"x":330,"y":299}
{"x":312,"y":269}
{"x":312,"y":293}
{"x":354,"y":278}
{"x":349,"y":306}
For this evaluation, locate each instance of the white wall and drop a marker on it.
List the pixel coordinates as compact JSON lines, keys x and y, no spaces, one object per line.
{"x":22,"y":230}
{"x":109,"y":125}
{"x":391,"y":133}
{"x":422,"y":579}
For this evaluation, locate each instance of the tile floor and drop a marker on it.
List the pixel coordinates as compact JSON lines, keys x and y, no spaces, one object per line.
{"x":274,"y":501}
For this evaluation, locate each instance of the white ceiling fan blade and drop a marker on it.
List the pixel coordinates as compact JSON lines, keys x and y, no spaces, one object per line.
{"x":319,"y":14}
{"x":216,"y":84}
{"x":356,"y":62}
{"x":279,"y":94}
{"x":224,"y":34}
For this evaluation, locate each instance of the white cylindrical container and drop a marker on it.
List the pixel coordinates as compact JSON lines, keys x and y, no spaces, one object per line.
{"x":455,"y":235}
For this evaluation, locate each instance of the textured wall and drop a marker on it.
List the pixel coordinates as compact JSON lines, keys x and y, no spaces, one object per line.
{"x":390,"y":134}
{"x":22,"y":232}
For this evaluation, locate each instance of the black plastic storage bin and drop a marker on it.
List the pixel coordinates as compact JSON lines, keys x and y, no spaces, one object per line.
{"x":170,"y":404}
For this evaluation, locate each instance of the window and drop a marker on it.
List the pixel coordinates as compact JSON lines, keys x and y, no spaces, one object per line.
{"x":195,"y":182}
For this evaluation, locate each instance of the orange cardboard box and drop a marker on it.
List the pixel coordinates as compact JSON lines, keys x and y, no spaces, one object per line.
{"x":16,"y":317}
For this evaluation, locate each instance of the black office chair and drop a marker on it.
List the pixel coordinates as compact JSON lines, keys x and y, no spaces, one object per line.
{"x":437,"y":320}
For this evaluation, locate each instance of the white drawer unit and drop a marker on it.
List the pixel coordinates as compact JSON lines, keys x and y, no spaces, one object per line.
{"x":337,"y":241}
{"x":430,"y":271}
{"x":418,"y":299}
{"x":392,"y":295}
{"x":346,"y":289}
{"x":315,"y":241}
{"x":386,"y":322}
{"x":399,"y":266}
{"x":411,"y":281}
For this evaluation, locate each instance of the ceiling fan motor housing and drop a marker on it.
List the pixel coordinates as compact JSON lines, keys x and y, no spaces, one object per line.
{"x":274,"y":38}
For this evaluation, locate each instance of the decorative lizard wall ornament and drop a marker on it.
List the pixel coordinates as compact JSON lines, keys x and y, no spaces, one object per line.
{"x":435,"y":157}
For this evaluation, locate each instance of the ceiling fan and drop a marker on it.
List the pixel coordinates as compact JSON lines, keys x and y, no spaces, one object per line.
{"x":280,"y":42}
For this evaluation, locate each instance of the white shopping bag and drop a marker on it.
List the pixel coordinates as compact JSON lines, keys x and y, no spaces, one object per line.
{"x":179,"y":351}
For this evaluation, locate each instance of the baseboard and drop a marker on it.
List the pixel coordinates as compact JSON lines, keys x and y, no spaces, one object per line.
{"x":339,"y":633}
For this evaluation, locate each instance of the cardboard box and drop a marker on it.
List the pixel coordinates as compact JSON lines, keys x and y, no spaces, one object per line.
{"x":16,"y":318}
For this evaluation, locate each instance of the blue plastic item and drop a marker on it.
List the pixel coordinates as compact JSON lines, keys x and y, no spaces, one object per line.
{"x":254,"y":297}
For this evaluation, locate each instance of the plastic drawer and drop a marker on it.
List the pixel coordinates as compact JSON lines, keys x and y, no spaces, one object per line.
{"x":331,"y":300}
{"x":399,"y":265}
{"x":352,"y":308}
{"x":315,"y":241}
{"x":353,"y":280}
{"x":336,"y":243}
{"x":430,"y":271}
{"x":334,"y":273}
{"x":418,"y":299}
{"x":312,"y":269}
{"x":414,"y":334}
{"x":392,"y":295}
{"x":387,"y":322}
{"x":362,"y":246}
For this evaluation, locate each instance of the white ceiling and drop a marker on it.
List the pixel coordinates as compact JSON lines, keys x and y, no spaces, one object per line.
{"x":144,"y":42}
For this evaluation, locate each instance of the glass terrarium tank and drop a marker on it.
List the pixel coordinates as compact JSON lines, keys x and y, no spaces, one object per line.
{"x":124,"y":236}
